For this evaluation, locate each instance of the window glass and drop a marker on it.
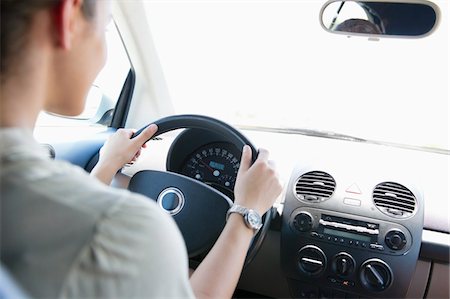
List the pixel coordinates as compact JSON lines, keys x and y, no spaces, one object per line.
{"x":102,"y":96}
{"x":271,"y":64}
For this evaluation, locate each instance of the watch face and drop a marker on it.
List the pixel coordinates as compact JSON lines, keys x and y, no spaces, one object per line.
{"x":254,"y":219}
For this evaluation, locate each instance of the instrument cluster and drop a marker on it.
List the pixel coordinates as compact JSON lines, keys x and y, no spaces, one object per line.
{"x":206,"y":157}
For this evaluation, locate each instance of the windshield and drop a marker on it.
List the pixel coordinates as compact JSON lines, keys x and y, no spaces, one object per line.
{"x":270,"y":64}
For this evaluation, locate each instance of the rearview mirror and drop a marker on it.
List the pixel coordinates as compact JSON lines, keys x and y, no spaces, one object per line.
{"x":369,"y":18}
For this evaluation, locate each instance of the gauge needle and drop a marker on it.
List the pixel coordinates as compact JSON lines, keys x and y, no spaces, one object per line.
{"x":207,"y":166}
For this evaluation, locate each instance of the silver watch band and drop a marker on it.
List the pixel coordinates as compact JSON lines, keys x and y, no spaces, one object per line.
{"x":251,"y":218}
{"x":236,"y":209}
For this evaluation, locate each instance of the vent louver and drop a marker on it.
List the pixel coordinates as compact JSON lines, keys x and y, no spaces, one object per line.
{"x":394,"y":200}
{"x":315,"y":186}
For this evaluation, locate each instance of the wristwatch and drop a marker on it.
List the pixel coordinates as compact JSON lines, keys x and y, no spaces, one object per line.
{"x":251,"y":218}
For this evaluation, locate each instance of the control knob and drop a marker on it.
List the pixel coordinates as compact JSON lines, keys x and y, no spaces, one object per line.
{"x":343,"y":264}
{"x":311,"y":260}
{"x":395,"y":240}
{"x":376,"y":275}
{"x":303,"y":222}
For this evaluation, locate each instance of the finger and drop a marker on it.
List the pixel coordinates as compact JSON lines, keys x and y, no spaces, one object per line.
{"x":246,"y":159}
{"x":126,"y":132}
{"x":272,"y":164}
{"x":146,"y":134}
{"x":263,"y":155}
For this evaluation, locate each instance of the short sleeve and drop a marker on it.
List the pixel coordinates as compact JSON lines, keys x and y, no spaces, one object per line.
{"x":137,"y":251}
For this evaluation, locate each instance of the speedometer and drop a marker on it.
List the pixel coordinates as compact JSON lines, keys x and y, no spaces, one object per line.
{"x":215,"y":164}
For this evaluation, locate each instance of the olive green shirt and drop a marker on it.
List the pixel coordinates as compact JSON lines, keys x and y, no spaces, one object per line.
{"x":64,"y":234}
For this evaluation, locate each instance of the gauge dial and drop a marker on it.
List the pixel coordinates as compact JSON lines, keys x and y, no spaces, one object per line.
{"x":215,"y":164}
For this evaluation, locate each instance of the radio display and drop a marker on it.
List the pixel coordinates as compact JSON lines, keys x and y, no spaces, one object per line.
{"x":343,"y":234}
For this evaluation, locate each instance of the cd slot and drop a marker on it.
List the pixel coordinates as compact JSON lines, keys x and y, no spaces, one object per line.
{"x":359,"y":229}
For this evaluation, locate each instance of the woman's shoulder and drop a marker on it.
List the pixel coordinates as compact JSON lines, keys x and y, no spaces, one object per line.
{"x":136,"y":251}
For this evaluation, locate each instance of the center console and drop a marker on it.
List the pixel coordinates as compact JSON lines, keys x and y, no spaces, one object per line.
{"x":347,"y":238}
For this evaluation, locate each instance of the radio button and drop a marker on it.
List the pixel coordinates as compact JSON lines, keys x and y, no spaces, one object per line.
{"x":377,"y":247}
{"x":303,"y":222}
{"x":395,"y":240}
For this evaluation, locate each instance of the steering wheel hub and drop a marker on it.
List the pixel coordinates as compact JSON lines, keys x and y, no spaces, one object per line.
{"x":171,"y":200}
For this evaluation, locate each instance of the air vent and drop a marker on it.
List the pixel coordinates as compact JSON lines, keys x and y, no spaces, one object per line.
{"x":315,"y":186}
{"x":394,"y":200}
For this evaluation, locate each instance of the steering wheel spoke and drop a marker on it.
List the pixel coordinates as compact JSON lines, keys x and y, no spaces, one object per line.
{"x":198,"y":209}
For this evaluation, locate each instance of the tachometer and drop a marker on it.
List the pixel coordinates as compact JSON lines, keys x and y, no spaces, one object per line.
{"x":215,"y":164}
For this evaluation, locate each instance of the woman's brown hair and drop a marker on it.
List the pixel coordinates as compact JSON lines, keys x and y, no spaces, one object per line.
{"x":16,"y":16}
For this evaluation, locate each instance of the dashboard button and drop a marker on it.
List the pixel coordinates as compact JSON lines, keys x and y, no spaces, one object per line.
{"x":303,"y":222}
{"x":348,"y":283}
{"x":377,"y":247}
{"x":352,"y":202}
{"x":314,"y":235}
{"x":395,"y":240}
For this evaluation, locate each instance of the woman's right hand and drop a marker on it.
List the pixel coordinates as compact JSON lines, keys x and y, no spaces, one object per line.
{"x":258,"y":185}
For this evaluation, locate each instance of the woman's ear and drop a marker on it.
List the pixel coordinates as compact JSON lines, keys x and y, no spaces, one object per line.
{"x":66,"y":14}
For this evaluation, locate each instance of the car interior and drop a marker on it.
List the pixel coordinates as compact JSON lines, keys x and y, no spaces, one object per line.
{"x":351,"y":98}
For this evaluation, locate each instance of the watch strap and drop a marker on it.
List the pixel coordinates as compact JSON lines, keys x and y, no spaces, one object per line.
{"x":245,"y":212}
{"x":237,"y":209}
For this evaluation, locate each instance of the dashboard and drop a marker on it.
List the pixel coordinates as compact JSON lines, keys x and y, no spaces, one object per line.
{"x":354,"y":219}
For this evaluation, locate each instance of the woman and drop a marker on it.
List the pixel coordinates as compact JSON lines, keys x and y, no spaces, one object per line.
{"x":65,"y":233}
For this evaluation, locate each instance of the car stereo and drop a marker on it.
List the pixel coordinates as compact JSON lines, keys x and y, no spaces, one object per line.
{"x":332,"y":249}
{"x":364,"y":234}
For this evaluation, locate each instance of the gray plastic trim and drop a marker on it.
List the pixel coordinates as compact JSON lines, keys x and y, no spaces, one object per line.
{"x":435,"y":246}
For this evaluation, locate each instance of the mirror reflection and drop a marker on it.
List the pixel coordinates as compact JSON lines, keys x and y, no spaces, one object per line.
{"x":379,"y":18}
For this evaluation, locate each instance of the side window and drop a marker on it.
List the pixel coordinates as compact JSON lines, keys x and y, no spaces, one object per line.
{"x":103,"y":95}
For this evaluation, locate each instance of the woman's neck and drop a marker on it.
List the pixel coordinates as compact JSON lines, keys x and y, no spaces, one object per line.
{"x":22,"y":98}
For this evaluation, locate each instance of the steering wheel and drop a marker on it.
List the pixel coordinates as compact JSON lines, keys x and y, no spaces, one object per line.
{"x":198,"y":209}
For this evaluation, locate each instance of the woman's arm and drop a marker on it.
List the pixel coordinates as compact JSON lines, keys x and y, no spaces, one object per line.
{"x":257,"y":187}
